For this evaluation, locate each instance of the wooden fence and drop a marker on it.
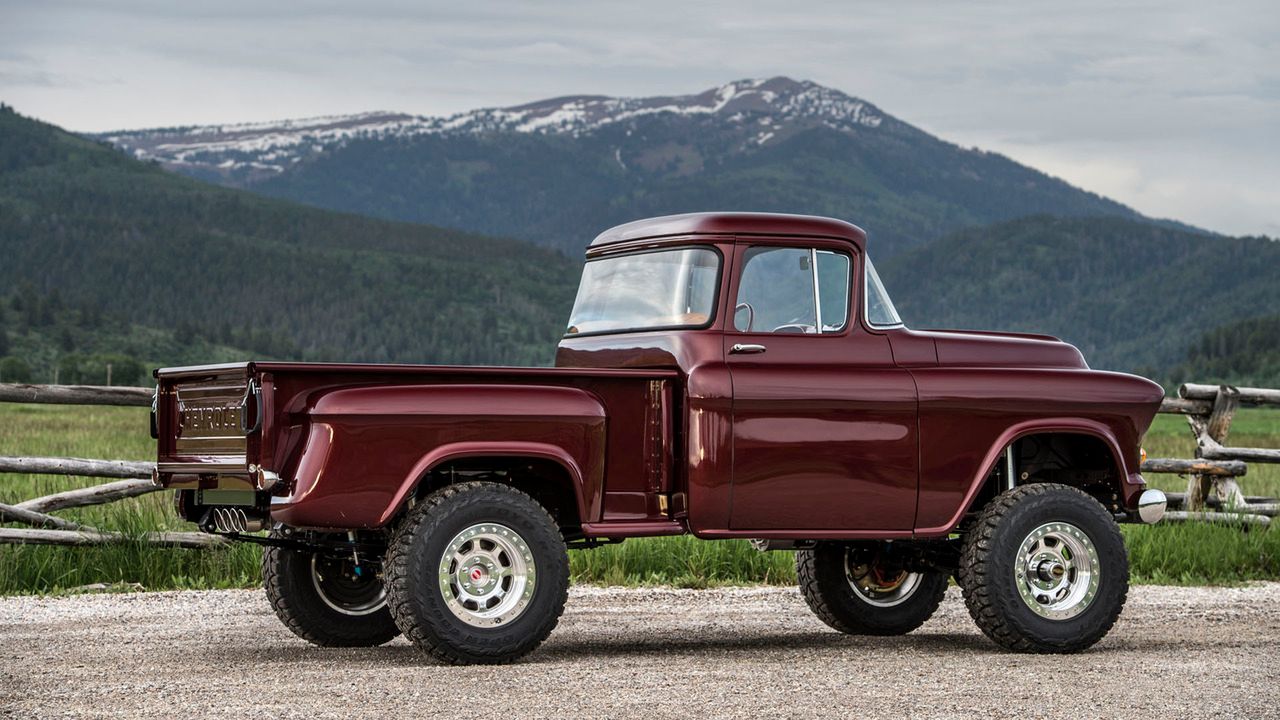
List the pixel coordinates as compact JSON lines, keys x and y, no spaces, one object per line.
{"x":1213,"y":489}
{"x":1213,"y":477}
{"x":131,"y":478}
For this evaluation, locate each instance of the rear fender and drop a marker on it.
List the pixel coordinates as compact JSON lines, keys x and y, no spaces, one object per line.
{"x":368,"y":448}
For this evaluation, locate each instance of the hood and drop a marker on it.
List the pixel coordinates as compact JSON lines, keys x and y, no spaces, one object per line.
{"x":958,"y":348}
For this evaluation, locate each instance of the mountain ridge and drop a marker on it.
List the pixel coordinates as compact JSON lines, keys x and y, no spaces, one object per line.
{"x":557,"y":171}
{"x":569,"y":114}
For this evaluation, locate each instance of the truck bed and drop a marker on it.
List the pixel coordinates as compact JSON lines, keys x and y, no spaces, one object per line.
{"x":346,"y":445}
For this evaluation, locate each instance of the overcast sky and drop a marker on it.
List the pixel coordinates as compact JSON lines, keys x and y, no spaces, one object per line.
{"x":1171,"y":107}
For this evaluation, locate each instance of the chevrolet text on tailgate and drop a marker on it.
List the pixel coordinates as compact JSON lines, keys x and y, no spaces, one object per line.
{"x":723,"y":375}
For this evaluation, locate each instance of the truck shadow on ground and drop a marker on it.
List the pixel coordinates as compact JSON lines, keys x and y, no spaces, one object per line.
{"x":758,"y":647}
{"x":782,"y":643}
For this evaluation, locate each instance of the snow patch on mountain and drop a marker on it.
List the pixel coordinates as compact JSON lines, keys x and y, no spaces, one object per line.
{"x":266,"y":148}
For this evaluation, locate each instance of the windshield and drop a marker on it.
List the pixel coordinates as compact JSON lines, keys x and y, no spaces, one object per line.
{"x":643,"y":291}
{"x":880,"y":309}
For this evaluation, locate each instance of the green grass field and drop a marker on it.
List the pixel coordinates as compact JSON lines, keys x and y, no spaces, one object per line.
{"x":1182,"y":554}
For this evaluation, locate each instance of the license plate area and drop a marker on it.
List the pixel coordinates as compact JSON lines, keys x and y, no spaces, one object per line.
{"x":227,"y":497}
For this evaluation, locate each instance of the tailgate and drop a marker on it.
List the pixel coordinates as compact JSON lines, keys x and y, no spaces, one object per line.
{"x":207,"y":421}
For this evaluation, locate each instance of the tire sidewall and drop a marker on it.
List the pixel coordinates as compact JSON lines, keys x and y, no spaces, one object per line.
{"x":858,"y":615}
{"x":293,"y":595}
{"x":419,"y":592}
{"x":1113,"y":568}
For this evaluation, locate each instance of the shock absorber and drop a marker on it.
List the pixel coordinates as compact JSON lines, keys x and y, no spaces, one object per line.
{"x":355,"y":553}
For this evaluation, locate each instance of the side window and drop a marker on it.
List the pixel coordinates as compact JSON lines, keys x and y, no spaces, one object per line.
{"x":776,"y":292}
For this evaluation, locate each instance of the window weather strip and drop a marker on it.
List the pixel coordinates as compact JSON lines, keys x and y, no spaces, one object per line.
{"x":817,"y":294}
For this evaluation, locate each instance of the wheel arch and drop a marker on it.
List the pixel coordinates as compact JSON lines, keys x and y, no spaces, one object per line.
{"x":1080,"y":433}
{"x":546,"y":472}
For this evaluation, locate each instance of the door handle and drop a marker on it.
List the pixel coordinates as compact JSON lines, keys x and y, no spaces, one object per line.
{"x":741,"y":349}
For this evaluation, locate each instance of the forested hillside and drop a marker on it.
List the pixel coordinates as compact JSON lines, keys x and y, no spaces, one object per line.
{"x":1244,"y":353}
{"x":1130,"y":295}
{"x":142,"y":246}
{"x":51,"y":341}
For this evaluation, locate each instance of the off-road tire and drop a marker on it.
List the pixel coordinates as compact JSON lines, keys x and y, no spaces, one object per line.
{"x":414,"y":590}
{"x":826,"y":589}
{"x":286,"y":576}
{"x":987,"y":566}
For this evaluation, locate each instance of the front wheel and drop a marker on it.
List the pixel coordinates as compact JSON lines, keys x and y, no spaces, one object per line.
{"x":477,"y":573}
{"x":1044,"y":569}
{"x":862,"y":590}
{"x":327,"y":599}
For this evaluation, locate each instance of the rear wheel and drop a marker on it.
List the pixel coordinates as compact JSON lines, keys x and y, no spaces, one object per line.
{"x":1044,"y":570}
{"x":327,"y":600}
{"x":477,"y":573}
{"x":861,"y":590}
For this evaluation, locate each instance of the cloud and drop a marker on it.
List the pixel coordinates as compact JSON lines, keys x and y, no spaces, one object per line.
{"x":1171,"y":107}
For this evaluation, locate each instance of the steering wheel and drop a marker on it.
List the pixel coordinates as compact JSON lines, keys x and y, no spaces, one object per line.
{"x":751,"y":314}
{"x":795,"y":325}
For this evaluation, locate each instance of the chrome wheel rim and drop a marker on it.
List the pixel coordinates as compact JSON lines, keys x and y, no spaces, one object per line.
{"x":487,"y":575}
{"x":871,"y":585}
{"x":1057,"y":571}
{"x":345,"y":588}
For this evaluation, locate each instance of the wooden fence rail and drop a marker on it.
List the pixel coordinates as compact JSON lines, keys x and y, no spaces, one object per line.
{"x":131,"y":479}
{"x":1213,"y":491}
{"x":1213,"y":476}
{"x":84,"y":467}
{"x":75,"y":395}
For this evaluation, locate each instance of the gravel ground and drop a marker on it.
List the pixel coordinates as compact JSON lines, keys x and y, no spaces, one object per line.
{"x":741,"y":653}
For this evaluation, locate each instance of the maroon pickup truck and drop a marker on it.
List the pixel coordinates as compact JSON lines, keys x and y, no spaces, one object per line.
{"x":722,"y":375}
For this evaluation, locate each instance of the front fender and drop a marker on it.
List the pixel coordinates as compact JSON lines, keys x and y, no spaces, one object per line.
{"x":367,"y":448}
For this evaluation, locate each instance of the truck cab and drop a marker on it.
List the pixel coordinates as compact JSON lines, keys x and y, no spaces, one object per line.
{"x":812,"y":410}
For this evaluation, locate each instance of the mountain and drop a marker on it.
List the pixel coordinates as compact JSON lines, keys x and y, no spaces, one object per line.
{"x":1130,"y":295}
{"x":133,"y":245}
{"x":559,"y":171}
{"x":108,"y":260}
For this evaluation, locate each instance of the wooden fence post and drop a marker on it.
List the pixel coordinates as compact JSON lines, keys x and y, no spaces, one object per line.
{"x":1216,"y":427}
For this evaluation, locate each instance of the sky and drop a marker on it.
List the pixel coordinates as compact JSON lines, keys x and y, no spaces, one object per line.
{"x":1170,"y":107}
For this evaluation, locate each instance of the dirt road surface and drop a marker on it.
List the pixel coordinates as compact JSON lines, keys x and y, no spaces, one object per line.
{"x":693,"y":654}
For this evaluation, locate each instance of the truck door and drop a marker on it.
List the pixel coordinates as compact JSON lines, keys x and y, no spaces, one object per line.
{"x":824,"y":423}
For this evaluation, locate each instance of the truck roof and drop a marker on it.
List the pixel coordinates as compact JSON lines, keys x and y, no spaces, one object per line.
{"x":732,"y":223}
